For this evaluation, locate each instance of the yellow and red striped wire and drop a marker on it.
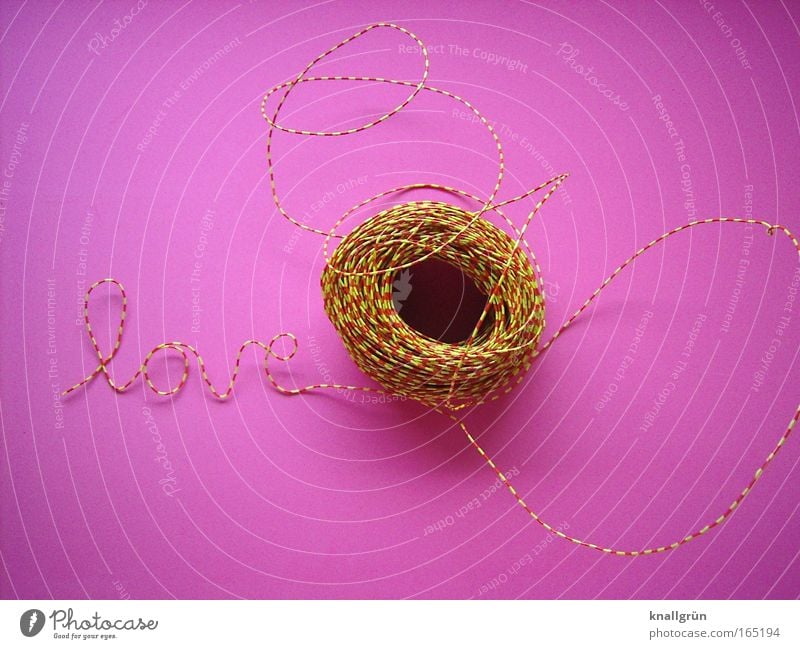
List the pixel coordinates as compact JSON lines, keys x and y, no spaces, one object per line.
{"x":357,"y":291}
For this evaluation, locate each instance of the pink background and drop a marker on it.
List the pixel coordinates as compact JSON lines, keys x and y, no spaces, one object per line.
{"x":320,"y":497}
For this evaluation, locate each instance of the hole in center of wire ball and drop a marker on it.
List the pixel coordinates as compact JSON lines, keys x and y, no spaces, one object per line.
{"x":439,"y":301}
